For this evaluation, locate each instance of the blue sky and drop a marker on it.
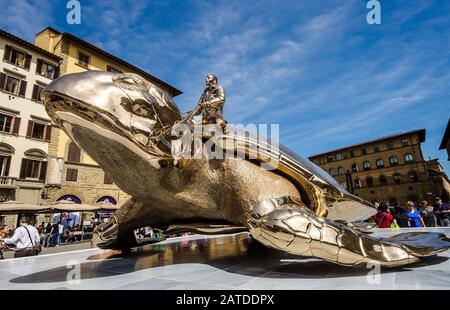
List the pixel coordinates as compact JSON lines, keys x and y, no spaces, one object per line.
{"x":315,"y":67}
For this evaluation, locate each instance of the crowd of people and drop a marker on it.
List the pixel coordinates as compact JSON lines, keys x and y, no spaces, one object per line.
{"x":412,"y":215}
{"x":61,"y":230}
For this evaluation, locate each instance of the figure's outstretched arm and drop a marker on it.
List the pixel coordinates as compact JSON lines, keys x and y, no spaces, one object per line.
{"x":295,"y":229}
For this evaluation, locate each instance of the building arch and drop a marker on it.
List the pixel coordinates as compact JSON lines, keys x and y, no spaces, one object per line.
{"x":70,"y":197}
{"x":35,"y":154}
{"x":6,"y":149}
{"x":107,"y":199}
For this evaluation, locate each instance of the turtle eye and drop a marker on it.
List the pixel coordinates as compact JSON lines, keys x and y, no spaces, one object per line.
{"x":131,"y":81}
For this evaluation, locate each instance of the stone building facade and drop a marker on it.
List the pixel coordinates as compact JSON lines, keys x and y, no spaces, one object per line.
{"x":73,"y":174}
{"x":389,"y":169}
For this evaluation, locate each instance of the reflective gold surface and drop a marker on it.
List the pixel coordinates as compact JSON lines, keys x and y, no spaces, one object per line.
{"x":123,"y":122}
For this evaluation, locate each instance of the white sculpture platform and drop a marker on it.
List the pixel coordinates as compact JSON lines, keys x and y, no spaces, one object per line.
{"x":214,"y":262}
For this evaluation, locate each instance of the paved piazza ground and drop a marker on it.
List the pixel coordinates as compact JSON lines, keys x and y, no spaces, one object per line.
{"x":219,"y":262}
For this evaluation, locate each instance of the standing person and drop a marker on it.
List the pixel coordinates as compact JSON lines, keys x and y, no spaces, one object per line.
{"x":383,"y":218}
{"x":47,"y":235}
{"x":426,"y":211}
{"x":26,"y":238}
{"x":400,"y":216}
{"x":414,"y":218}
{"x":54,"y":240}
{"x":442,"y":210}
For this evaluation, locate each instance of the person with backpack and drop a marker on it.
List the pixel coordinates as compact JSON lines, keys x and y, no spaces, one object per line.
{"x":26,"y":238}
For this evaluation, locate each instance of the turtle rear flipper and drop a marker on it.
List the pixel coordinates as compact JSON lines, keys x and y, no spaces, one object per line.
{"x":295,"y":229}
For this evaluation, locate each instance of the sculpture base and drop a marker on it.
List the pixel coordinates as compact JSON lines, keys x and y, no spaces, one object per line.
{"x":215,"y":262}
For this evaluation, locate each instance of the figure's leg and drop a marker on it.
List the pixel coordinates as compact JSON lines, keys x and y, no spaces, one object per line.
{"x":290,"y":227}
{"x":118,"y":231}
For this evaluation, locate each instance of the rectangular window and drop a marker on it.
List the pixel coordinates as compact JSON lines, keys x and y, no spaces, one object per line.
{"x":338,"y":156}
{"x":108,"y":179}
{"x":13,"y":84}
{"x":329,"y":158}
{"x":33,"y":169}
{"x":113,"y":70}
{"x":72,"y":175}
{"x":39,"y":130}
{"x":351,"y":153}
{"x":6,"y":123}
{"x":5,"y":162}
{"x":405,"y":141}
{"x":37,"y":91}
{"x":363,"y":151}
{"x":390,"y":146}
{"x":16,"y":57}
{"x":376,"y":148}
{"x":83,"y":60}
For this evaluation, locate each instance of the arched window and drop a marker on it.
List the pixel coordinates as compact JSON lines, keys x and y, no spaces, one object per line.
{"x":369,"y":181}
{"x":366,"y":165}
{"x":355,"y":167}
{"x":409,"y":158}
{"x":383,"y":179}
{"x":107,"y":199}
{"x":380,"y":163}
{"x":34,"y":165}
{"x":358,"y":183}
{"x":332,"y":171}
{"x":341,"y":171}
{"x":72,"y":198}
{"x":393,"y":160}
{"x":413,"y":176}
{"x":74,"y":153}
{"x":397,"y":178}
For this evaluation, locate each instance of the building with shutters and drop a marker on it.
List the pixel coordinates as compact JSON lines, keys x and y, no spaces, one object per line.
{"x":73,"y":174}
{"x":388,"y":169}
{"x":25,"y":128}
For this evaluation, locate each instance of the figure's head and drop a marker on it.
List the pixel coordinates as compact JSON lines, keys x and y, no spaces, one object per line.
{"x":410,"y":205}
{"x":383,"y":207}
{"x":438,"y":201}
{"x":211,"y":79}
{"x":24,"y":220}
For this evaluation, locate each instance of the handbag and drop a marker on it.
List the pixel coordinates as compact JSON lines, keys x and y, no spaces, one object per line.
{"x":36,"y":248}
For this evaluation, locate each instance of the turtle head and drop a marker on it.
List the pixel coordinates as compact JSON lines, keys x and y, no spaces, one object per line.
{"x":124,"y":108}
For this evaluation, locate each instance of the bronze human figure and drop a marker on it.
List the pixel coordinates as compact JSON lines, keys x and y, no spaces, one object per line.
{"x":211,"y":103}
{"x":295,"y":207}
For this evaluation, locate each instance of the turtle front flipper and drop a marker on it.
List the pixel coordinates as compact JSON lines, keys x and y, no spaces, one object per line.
{"x":286,"y":225}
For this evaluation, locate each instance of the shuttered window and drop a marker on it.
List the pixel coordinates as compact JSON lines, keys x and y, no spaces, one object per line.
{"x":39,"y":131}
{"x":17,"y":58}
{"x":46,"y":69}
{"x":5,"y":162}
{"x":13,"y":84}
{"x":34,"y":169}
{"x":107,"y":179}
{"x":72,"y":175}
{"x":37,"y":91}
{"x":74,"y":153}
